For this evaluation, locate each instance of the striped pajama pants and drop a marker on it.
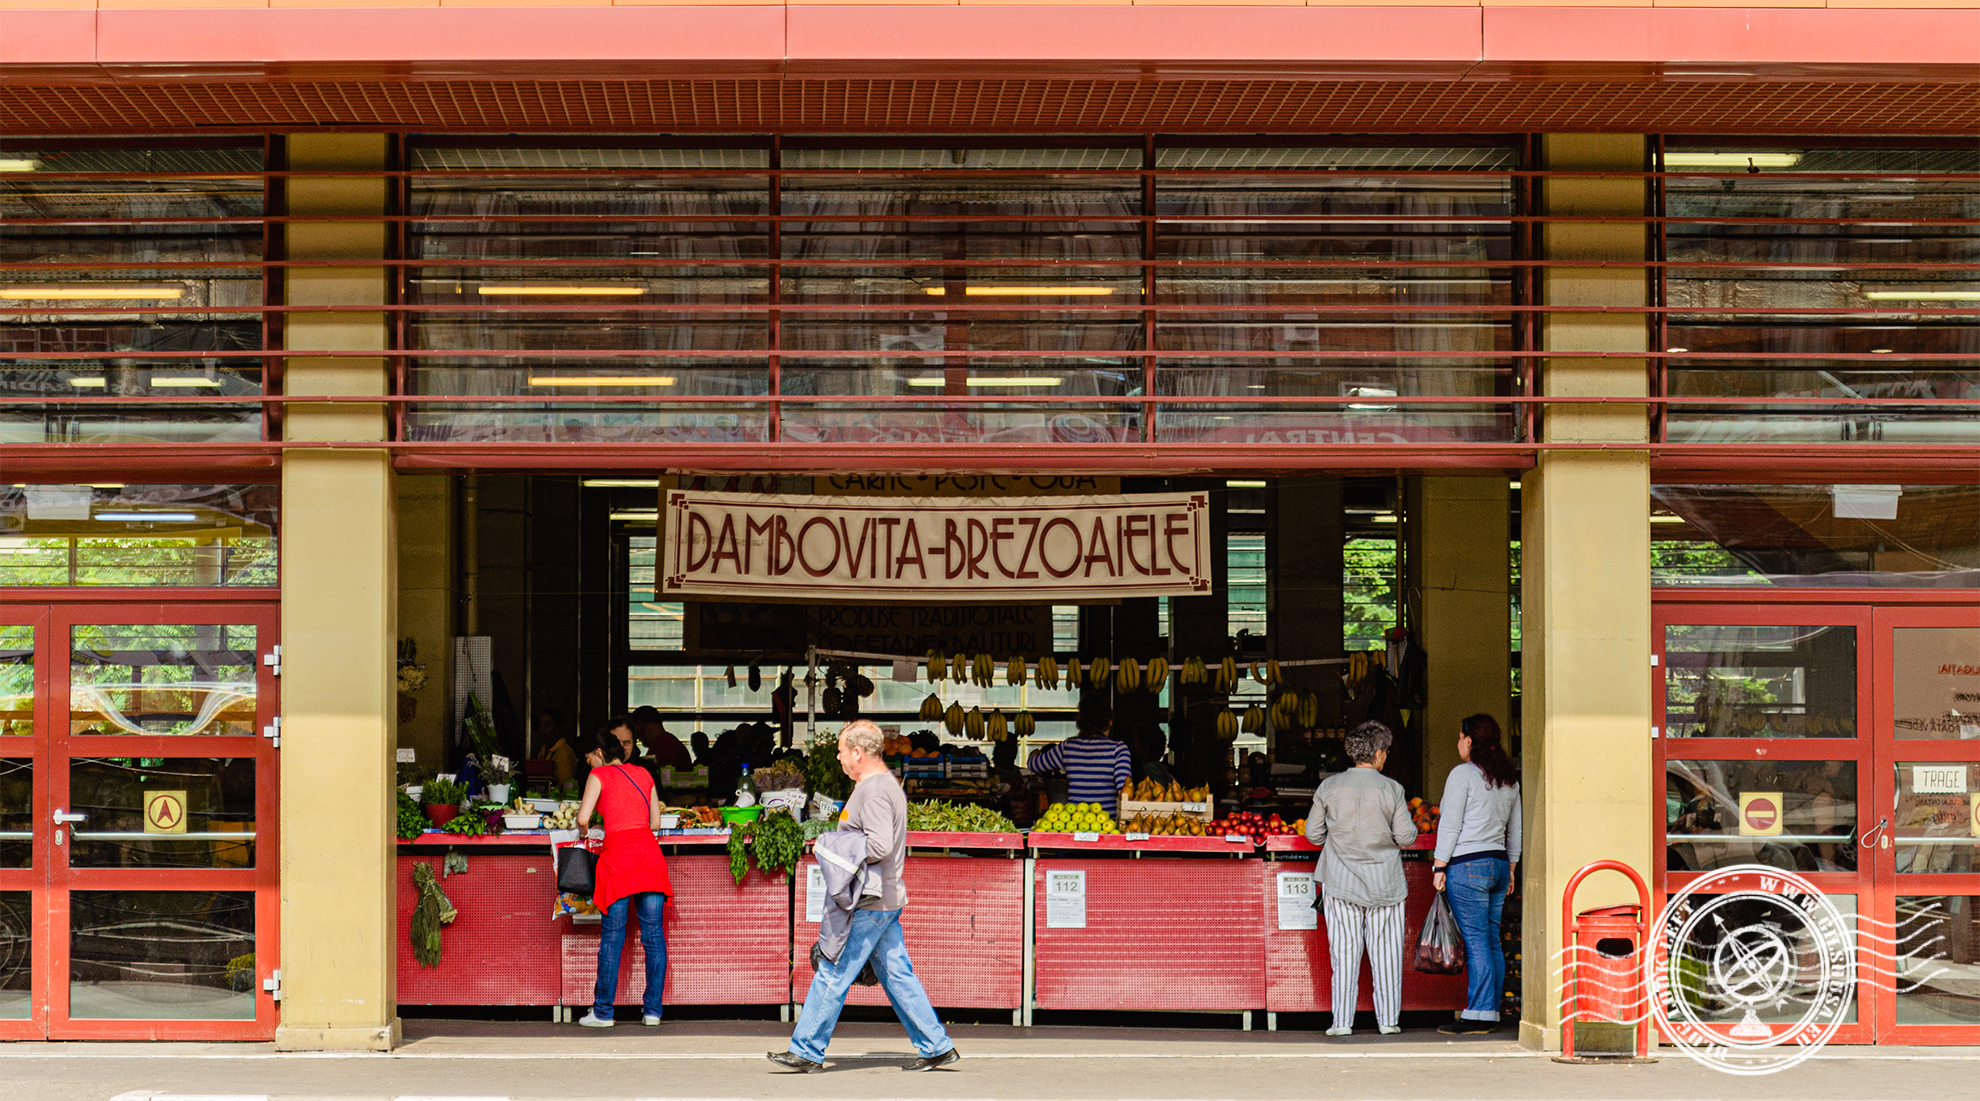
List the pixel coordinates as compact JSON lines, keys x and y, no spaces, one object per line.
{"x":1379,"y":929}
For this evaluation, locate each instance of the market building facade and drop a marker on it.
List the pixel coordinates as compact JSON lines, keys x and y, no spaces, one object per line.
{"x":1632,"y":348}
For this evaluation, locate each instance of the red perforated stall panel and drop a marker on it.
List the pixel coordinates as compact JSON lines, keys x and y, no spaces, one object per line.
{"x":503,"y":949}
{"x":1298,"y":975}
{"x":964,"y":927}
{"x":1177,"y":933}
{"x":726,"y":944}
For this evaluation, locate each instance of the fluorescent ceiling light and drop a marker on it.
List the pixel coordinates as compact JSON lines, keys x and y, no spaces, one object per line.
{"x":523,"y":289}
{"x":990,"y":380}
{"x":1677,"y":349}
{"x":83,"y":291}
{"x":1731,"y":160}
{"x":651,"y":515}
{"x":1254,"y":386}
{"x":601,"y":380}
{"x":1238,"y":483}
{"x":1383,"y":519}
{"x":1514,"y":484}
{"x":1922,"y":296}
{"x":95,"y":381}
{"x":18,"y":164}
{"x":185,"y":381}
{"x":622,"y":483}
{"x":148,"y":517}
{"x":1660,"y":519}
{"x":1007,"y":292}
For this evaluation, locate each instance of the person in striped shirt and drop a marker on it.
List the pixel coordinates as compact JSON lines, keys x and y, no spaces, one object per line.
{"x":1096,"y":766}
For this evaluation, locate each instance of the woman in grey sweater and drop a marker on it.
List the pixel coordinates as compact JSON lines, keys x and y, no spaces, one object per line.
{"x":1478,"y":843}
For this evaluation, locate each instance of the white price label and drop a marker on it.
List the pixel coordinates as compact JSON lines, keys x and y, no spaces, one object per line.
{"x":408,"y":755}
{"x":1938,"y":779}
{"x":1195,"y":808}
{"x":814,"y":893}
{"x":1296,"y":901}
{"x":1086,"y":835}
{"x":1138,"y":836}
{"x":1065,"y":900}
{"x":1235,"y":837}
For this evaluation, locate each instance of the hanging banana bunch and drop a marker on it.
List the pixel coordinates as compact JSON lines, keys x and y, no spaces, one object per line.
{"x":1272,"y":676}
{"x":952,"y":719}
{"x":931,"y":708}
{"x":1048,"y":672}
{"x":1285,"y":708}
{"x":1128,"y":678}
{"x":938,"y":666}
{"x":1014,"y":671}
{"x":1227,"y":725}
{"x":1098,"y":672}
{"x":1227,"y":676}
{"x":1026,"y":725}
{"x":1073,"y":676}
{"x":1158,"y":674}
{"x":1357,"y":667}
{"x":1254,"y":719}
{"x":998,"y":727}
{"x":973,"y":724}
{"x":1309,"y":710}
{"x":986,"y":670}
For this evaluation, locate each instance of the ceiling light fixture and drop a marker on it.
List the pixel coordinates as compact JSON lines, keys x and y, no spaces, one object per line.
{"x":638,"y":515}
{"x":1922,"y":296}
{"x":1700,"y":159}
{"x":516,"y":290}
{"x":601,"y":380}
{"x":991,"y":380}
{"x":1239,"y":483}
{"x":18,"y":164}
{"x":1662,"y":519}
{"x":185,"y":381}
{"x":86,"y":381}
{"x":621,"y":483}
{"x":1677,"y":349}
{"x":1008,"y":292}
{"x":85,"y":292}
{"x":147,"y":517}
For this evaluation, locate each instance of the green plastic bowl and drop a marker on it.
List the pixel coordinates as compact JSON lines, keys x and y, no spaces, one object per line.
{"x":741,"y":814}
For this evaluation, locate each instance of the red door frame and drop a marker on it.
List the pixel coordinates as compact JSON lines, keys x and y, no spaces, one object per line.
{"x":52,"y":880}
{"x":1889,"y":884}
{"x":1860,"y":883}
{"x":33,"y":879}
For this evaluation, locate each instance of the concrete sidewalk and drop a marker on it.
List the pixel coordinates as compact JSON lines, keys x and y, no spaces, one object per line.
{"x":724,"y":1059}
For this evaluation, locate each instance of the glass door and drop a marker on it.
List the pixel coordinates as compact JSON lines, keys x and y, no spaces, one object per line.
{"x":23,"y":839}
{"x":1927,"y":852}
{"x":162,"y":907}
{"x":1761,"y":741}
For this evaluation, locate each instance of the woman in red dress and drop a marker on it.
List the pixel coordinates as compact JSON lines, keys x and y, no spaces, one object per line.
{"x":632,"y":874}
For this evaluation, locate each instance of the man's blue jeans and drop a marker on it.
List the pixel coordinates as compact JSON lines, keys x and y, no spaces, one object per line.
{"x":875,"y":934}
{"x":1477,"y":892}
{"x":612,"y":942}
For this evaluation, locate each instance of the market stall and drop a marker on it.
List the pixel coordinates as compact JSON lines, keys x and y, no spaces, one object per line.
{"x":1298,"y":974}
{"x":964,"y":923}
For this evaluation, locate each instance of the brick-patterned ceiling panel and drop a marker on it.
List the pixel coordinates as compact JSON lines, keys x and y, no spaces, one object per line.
{"x":1032,"y":105}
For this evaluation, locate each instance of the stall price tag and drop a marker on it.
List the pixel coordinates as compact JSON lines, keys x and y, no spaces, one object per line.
{"x":1086,"y":835}
{"x":1065,"y":900}
{"x":814,"y":893}
{"x":1195,"y":808}
{"x":1138,"y":836}
{"x":1296,"y":901}
{"x":1237,"y":837}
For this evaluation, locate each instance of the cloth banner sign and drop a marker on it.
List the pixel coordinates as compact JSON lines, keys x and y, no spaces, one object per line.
{"x":1059,"y":549}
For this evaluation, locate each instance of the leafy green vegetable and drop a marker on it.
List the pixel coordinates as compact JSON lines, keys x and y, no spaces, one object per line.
{"x":738,"y":851}
{"x":471,"y":823}
{"x":821,"y":767}
{"x":777,"y":841}
{"x":412,"y":818}
{"x":442,"y":793}
{"x":935,"y":815}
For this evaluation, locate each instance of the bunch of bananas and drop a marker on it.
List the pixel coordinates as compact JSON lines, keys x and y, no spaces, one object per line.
{"x":1194,"y":671}
{"x":1360,"y":664}
{"x":1285,"y":709}
{"x":1014,"y":671}
{"x":938,"y":666}
{"x":1074,"y":675}
{"x":931,"y":708}
{"x":986,"y":671}
{"x":1227,"y":725}
{"x":1097,"y":672}
{"x":1025,"y":724}
{"x":1227,"y":676}
{"x":1158,"y":674}
{"x":1267,"y":673}
{"x":1309,"y":710}
{"x":1128,"y":677}
{"x":1048,"y":672}
{"x":973,"y":725}
{"x":1254,"y":719}
{"x":997,"y":728}
{"x":952,"y":719}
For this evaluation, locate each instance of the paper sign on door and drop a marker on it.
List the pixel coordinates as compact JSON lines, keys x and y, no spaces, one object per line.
{"x":1296,"y":901}
{"x":1065,"y":900}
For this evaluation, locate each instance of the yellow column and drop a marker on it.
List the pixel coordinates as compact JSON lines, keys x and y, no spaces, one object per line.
{"x":1585,"y":572}
{"x":1460,"y":573}
{"x":339,"y":604}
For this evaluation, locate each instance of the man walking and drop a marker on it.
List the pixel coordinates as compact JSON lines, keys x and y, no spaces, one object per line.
{"x":878,"y":809}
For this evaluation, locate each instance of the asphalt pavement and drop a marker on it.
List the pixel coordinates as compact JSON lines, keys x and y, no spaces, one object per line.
{"x":705,"y":1060}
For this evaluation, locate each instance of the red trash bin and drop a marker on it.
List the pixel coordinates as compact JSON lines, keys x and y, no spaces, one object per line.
{"x":1602,"y":961}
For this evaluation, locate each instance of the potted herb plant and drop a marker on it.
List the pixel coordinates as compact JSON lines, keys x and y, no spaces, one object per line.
{"x":443,"y":800}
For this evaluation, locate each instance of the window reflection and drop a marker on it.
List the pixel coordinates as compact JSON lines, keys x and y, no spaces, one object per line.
{"x":1759,"y":681}
{"x":138,"y":535}
{"x":162,"y":955}
{"x":1928,"y":536}
{"x":189,"y":679}
{"x":1806,"y":820}
{"x":16,"y":956}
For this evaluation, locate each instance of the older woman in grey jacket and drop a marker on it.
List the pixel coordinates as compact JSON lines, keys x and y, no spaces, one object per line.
{"x":1361,"y":821}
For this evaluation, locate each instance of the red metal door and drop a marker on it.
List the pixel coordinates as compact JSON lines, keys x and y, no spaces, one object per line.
{"x":1764,"y":752}
{"x":156,"y":821}
{"x":24,"y":835}
{"x":1926,"y":734}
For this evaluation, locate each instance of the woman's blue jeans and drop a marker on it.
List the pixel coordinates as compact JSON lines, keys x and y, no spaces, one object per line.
{"x":1477,"y":893}
{"x":612,"y":942}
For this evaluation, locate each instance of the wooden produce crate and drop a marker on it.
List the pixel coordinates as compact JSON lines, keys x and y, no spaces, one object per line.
{"x":1204,"y":811}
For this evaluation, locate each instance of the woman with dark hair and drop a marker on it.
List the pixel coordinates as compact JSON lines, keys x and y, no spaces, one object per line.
{"x":1478,"y":841}
{"x":631,"y":875}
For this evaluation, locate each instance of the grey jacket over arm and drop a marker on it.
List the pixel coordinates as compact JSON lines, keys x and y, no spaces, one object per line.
{"x":1361,"y":822}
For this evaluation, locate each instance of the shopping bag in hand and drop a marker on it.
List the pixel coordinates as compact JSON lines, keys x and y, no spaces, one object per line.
{"x":1440,"y":950}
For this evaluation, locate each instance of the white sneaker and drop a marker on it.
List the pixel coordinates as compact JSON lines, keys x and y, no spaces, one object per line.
{"x":590,"y":1020}
{"x":1388,"y":1030}
{"x":1341,"y":1030}
{"x":649,"y":1020}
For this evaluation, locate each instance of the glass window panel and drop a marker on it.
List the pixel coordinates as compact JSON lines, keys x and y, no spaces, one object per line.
{"x":1795,"y":974}
{"x":16,"y":956}
{"x":16,"y":676}
{"x":1855,"y":326}
{"x":1935,"y":682}
{"x":651,"y":624}
{"x":1819,"y":536}
{"x":1368,"y":589}
{"x":192,"y":678}
{"x":1938,"y":960}
{"x":201,"y":285}
{"x":141,"y":536}
{"x":1759,"y":681}
{"x":162,"y":955}
{"x":1936,"y":825}
{"x":132,"y":803}
{"x":1813,"y":807}
{"x":16,"y":812}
